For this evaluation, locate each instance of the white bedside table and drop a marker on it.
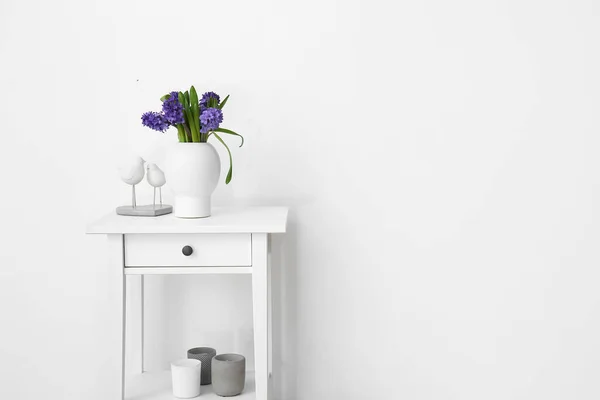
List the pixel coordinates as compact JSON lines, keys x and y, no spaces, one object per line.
{"x":231,"y":241}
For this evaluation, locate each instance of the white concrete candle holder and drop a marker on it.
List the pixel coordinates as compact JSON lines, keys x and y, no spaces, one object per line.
{"x":186,"y":378}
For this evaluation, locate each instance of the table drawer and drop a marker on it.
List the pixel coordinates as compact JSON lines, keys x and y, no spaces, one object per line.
{"x":207,"y":250}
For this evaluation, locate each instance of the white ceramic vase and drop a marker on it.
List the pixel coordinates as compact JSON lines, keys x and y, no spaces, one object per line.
{"x":192,"y":172}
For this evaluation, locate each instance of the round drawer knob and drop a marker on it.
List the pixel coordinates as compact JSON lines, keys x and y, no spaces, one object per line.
{"x":187,"y":250}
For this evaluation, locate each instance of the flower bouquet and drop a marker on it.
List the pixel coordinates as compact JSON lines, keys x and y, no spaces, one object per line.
{"x":193,"y":165}
{"x":195,"y":120}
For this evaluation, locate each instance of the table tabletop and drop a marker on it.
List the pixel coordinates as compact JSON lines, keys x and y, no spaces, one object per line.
{"x":222,"y":220}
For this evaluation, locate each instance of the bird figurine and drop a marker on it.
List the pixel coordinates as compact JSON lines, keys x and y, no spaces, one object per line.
{"x":132,"y":172}
{"x":156,"y":179}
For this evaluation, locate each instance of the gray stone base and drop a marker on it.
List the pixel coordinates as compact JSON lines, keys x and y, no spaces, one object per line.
{"x":145,"y":211}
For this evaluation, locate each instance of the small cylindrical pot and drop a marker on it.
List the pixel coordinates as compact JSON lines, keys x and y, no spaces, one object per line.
{"x":205,"y":355}
{"x":228,"y":374}
{"x":192,"y":172}
{"x":186,"y":378}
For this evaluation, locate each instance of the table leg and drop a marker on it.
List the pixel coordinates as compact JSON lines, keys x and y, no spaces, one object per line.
{"x":117,"y":265}
{"x":269,"y":316}
{"x":142,"y":326}
{"x":260,"y":313}
{"x":123,"y":326}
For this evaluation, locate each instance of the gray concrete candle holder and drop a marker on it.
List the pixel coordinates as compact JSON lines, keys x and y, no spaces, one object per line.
{"x":229,"y":374}
{"x":205,"y":355}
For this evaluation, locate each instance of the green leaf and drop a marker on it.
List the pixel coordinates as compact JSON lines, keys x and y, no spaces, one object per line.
{"x":195,"y":134}
{"x":230,"y":133}
{"x":182,"y":101}
{"x":230,"y":173}
{"x":194,"y":108}
{"x":189,"y":119}
{"x":166,"y":96}
{"x":187,"y":99}
{"x":220,"y":106}
{"x":187,"y":131}
{"x":193,"y":97}
{"x":181,"y":133}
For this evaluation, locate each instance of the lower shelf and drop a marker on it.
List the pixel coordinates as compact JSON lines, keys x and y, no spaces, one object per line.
{"x":157,"y":386}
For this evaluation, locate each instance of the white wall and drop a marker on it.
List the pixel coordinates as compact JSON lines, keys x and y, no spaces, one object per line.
{"x":440,"y":160}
